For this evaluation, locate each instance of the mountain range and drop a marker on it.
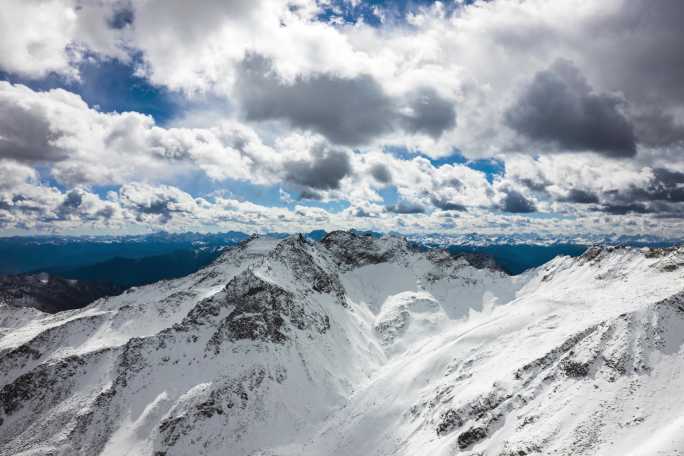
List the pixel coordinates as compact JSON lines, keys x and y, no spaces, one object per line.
{"x":356,"y":345}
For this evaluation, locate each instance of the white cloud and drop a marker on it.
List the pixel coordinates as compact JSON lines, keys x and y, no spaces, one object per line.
{"x":319,"y":115}
{"x":42,"y":36}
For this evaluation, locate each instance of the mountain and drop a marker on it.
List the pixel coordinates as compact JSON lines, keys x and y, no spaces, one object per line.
{"x":49,"y":293}
{"x":518,"y":258}
{"x":59,"y":253}
{"x":128,"y":272}
{"x":358,"y":345}
{"x":548,"y":239}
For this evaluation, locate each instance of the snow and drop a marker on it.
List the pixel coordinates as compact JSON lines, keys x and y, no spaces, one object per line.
{"x":419,"y":354}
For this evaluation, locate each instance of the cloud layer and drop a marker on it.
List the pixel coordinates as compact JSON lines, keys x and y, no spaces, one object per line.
{"x":486,"y":115}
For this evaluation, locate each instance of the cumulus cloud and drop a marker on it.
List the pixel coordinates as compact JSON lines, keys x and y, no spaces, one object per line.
{"x":26,"y":134}
{"x":381,"y":173}
{"x":40,"y":37}
{"x":160,"y":201}
{"x":346,"y":110}
{"x":561,"y":108}
{"x":320,"y":109}
{"x":580,"y":196}
{"x":406,"y":207}
{"x":429,"y":113}
{"x":86,"y":146}
{"x":324,"y":171}
{"x":515,"y":202}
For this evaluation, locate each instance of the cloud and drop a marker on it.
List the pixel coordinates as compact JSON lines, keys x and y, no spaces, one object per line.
{"x":25,"y":132}
{"x":85,"y":146}
{"x":162,"y":202}
{"x":579,"y":196}
{"x":381,"y":173}
{"x":429,"y":113}
{"x":659,"y":129}
{"x":515,"y":202}
{"x":324,"y":171}
{"x":406,"y":207}
{"x":447,"y":205}
{"x":346,"y":110}
{"x":622,"y":209}
{"x":664,"y":186}
{"x":559,"y":107}
{"x":310,"y":195}
{"x":54,"y":36}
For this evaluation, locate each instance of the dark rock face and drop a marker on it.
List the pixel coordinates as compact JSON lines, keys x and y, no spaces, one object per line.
{"x":355,"y":250}
{"x":229,"y":395}
{"x":294,"y":253}
{"x":51,"y":294}
{"x":471,"y":436}
{"x":483,"y":410}
{"x":263,"y":312}
{"x":443,"y":257}
{"x":450,"y":420}
{"x":479,"y":261}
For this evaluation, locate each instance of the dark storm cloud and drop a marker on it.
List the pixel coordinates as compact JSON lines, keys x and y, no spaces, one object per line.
{"x":381,"y":173}
{"x":310,"y":195}
{"x":446,"y":205}
{"x":324,"y":171}
{"x":346,"y":110}
{"x":622,"y":209}
{"x":406,"y":207}
{"x":560,"y":107}
{"x":71,"y":204}
{"x":666,"y":186}
{"x":350,"y":111}
{"x":658,"y":129}
{"x":581,"y":197}
{"x":647,"y":63}
{"x":516,"y":202}
{"x":663,"y":195}
{"x":430,"y":113}
{"x":121,"y":17}
{"x":25,"y":134}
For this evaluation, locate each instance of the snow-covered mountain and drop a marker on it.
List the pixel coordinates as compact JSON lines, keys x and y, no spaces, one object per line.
{"x":358,"y":346}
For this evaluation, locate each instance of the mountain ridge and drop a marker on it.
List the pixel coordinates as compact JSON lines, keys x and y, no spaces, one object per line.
{"x":347,"y":346}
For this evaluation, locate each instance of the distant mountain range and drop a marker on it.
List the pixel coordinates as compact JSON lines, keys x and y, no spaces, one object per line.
{"x":129,"y":272}
{"x":51,"y":294}
{"x":42,"y":253}
{"x":133,"y":260}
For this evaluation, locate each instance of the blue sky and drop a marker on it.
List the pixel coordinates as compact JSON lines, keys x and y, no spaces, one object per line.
{"x":395,"y":115}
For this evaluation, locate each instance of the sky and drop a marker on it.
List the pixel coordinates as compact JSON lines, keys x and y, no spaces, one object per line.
{"x":554,"y":117}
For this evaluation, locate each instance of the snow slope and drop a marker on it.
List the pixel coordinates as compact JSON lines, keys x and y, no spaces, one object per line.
{"x":358,"y":346}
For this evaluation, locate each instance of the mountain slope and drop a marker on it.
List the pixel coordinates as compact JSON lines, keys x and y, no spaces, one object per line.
{"x":49,"y":293}
{"x":356,"y":345}
{"x":128,"y":272}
